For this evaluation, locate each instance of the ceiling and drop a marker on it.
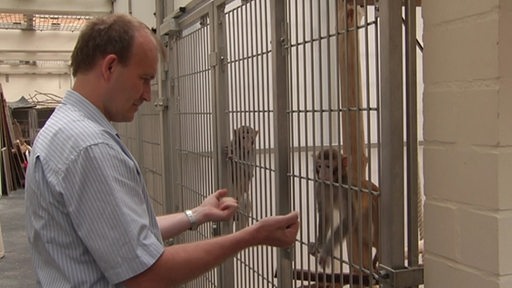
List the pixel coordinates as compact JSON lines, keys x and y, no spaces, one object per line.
{"x":43,"y":55}
{"x":42,"y":22}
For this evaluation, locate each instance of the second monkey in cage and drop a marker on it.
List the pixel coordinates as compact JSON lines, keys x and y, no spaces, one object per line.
{"x":330,"y":171}
{"x":331,"y":175}
{"x":241,"y":154}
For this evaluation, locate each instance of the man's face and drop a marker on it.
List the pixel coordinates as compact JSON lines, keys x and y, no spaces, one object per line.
{"x":130,"y":85}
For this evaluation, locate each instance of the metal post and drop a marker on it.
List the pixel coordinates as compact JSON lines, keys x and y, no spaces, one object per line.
{"x":412,"y":134}
{"x":174,"y":199}
{"x":220,"y":84}
{"x":391,"y":146}
{"x":281,"y":128}
{"x":161,"y":104}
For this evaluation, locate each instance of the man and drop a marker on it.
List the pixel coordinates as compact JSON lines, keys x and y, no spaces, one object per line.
{"x":89,"y":219}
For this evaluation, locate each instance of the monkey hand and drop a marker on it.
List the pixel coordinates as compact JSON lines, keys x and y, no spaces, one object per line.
{"x":216,"y":207}
{"x":277,"y":231}
{"x":228,"y":153}
{"x":313,"y":249}
{"x":317,"y":250}
{"x":323,"y":259}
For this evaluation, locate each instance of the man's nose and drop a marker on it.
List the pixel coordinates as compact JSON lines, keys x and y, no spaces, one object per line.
{"x":146,"y":93}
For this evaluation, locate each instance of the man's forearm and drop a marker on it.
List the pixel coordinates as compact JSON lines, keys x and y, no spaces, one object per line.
{"x":200,"y":257}
{"x":172,"y":225}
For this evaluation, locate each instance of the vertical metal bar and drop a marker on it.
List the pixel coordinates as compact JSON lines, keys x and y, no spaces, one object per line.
{"x":164,"y":92}
{"x":207,"y":113}
{"x":369,"y":130}
{"x":221,"y":119}
{"x":174,"y":124}
{"x":194,"y":96}
{"x":269,"y":198}
{"x":281,"y":128}
{"x":339,"y":108}
{"x":391,"y":116}
{"x":179,"y":65}
{"x":302,"y":137}
{"x":376,"y":72}
{"x":235,"y":107}
{"x":228,"y":26}
{"x":347,"y":120}
{"x":250,"y":116}
{"x":242,"y":36}
{"x":255,"y":119}
{"x":318,"y":94}
{"x":260,"y":83}
{"x":296,"y":159}
{"x":313,"y":108}
{"x":412,"y":135}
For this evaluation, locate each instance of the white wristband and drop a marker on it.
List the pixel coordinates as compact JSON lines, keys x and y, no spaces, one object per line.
{"x":192,"y":219}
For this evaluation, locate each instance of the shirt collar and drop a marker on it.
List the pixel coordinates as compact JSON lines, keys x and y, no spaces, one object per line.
{"x":91,"y":112}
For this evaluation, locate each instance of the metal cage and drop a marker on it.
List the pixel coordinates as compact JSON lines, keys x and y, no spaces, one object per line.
{"x":299,"y":77}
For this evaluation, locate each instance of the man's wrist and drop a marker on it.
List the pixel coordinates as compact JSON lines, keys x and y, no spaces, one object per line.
{"x":192,"y":219}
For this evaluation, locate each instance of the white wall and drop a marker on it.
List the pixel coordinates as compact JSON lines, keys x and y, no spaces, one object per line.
{"x":26,"y":85}
{"x":142,"y":10}
{"x":15,"y":86}
{"x":52,"y":47}
{"x":468,"y":134}
{"x":36,"y":45}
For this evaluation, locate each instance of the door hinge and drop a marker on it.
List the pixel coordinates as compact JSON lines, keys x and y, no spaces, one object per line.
{"x":161,"y":103}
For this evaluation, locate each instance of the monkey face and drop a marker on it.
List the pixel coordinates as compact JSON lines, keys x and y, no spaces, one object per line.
{"x":327,"y":165}
{"x":246,"y":136}
{"x":325,"y":170}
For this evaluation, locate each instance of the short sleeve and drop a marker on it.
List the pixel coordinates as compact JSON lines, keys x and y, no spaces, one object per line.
{"x":105,"y":195}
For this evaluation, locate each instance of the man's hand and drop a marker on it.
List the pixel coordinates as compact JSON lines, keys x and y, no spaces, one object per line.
{"x":216,"y":207}
{"x":278,"y":231}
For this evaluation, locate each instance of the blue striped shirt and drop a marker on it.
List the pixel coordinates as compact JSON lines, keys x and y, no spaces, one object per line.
{"x":89,"y":219}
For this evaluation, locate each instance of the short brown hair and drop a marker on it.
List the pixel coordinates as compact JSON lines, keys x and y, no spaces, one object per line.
{"x":111,"y":34}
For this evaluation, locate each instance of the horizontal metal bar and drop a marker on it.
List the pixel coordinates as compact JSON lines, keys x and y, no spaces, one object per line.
{"x":327,"y":278}
{"x":372,"y":2}
{"x":402,"y":278}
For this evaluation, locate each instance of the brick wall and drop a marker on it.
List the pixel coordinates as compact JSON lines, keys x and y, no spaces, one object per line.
{"x":467,"y":113}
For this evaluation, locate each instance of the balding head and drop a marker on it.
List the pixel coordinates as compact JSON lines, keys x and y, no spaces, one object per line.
{"x":111,"y":34}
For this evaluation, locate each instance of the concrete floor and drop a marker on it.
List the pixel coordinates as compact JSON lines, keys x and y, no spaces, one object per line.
{"x":16,"y":266}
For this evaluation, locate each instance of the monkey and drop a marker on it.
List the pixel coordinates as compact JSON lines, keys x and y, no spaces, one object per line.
{"x":241,"y":154}
{"x":331,"y":178}
{"x":330,"y":171}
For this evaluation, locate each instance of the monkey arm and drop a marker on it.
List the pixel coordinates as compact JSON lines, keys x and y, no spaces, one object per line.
{"x":323,"y":217}
{"x":228,"y":152}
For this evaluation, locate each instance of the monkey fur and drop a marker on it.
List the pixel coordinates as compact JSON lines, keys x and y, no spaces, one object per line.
{"x":241,"y":154}
{"x":331,"y":193}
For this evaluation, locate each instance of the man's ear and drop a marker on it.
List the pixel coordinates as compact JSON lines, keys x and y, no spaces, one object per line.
{"x":108,"y":65}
